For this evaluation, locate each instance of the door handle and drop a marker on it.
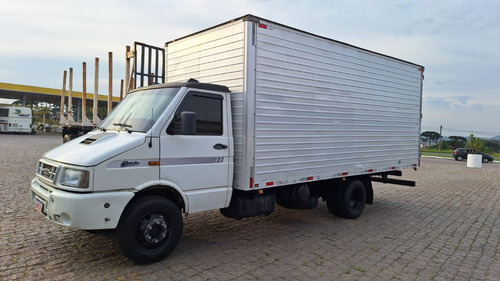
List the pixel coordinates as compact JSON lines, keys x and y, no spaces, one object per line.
{"x":220,"y":146}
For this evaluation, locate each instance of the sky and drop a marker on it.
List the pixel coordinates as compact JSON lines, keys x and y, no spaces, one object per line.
{"x":457,"y":41}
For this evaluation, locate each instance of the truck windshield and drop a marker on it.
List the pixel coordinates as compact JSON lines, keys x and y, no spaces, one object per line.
{"x":139,"y":110}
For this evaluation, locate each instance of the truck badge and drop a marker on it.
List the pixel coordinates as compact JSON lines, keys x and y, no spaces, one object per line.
{"x":128,"y":164}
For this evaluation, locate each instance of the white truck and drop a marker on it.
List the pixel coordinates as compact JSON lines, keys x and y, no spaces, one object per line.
{"x":282,"y":117}
{"x":15,"y":119}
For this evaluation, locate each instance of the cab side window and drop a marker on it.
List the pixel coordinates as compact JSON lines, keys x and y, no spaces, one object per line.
{"x":208,"y":111}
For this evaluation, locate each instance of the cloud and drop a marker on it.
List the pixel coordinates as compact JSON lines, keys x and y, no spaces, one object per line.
{"x":459,"y":103}
{"x":463,"y":113}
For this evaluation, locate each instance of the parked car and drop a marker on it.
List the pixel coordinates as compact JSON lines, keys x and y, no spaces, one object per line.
{"x":461,"y":153}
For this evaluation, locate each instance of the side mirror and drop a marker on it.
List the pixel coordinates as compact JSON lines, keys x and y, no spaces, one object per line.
{"x":188,"y":123}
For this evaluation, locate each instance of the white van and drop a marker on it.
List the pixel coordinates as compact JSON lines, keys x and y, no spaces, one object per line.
{"x":15,"y":119}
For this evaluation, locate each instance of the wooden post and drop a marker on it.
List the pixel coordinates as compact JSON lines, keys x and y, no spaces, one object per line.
{"x":127,"y":69}
{"x":110,"y":82}
{"x":62,"y":119}
{"x":70,"y":118}
{"x":85,"y":120}
{"x":132,"y":84}
{"x":70,"y":92}
{"x":84,"y":90}
{"x":121,"y":89}
{"x":151,"y":79}
{"x":95,"y":117}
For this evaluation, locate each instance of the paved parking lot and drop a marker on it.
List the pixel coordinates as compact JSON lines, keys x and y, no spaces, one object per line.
{"x":445,"y":228}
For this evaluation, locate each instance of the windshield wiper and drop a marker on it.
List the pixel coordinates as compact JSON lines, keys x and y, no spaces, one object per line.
{"x":124,"y":126}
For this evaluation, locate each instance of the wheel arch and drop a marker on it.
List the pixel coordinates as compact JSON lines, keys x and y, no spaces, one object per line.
{"x":165,"y":191}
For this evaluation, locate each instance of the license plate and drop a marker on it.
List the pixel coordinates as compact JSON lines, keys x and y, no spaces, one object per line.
{"x":39,"y":203}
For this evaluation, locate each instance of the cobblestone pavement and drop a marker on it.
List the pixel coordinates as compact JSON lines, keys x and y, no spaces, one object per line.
{"x":445,"y":228}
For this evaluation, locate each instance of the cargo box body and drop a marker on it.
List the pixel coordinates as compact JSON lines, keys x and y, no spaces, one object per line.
{"x":304,"y":107}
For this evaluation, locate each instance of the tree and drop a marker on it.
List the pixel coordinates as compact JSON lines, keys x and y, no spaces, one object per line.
{"x":457,"y":141}
{"x":475,"y":144}
{"x":431,"y":136}
{"x":492,"y":145}
{"x":458,"y":138}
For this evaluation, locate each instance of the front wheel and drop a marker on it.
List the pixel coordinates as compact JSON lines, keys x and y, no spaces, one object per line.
{"x":149,"y":229}
{"x":486,"y":160}
{"x":351,"y":202}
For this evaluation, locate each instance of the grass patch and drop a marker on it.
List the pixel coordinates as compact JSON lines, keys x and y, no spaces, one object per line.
{"x":359,"y":269}
{"x":447,"y":153}
{"x":370,"y":247}
{"x":450,"y":151}
{"x":436,"y":152}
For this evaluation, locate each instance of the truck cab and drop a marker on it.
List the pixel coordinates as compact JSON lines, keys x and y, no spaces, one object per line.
{"x":170,"y":144}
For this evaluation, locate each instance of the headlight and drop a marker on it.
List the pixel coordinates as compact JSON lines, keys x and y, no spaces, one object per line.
{"x":75,"y":178}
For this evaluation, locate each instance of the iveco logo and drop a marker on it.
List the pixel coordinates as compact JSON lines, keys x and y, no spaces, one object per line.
{"x":128,"y":164}
{"x":46,"y":172}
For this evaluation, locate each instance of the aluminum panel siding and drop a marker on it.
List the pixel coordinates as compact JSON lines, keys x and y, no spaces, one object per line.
{"x":304,"y":107}
{"x":215,"y":56}
{"x":326,"y":109}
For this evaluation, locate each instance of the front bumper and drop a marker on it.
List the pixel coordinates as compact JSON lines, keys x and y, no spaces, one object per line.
{"x":87,"y":211}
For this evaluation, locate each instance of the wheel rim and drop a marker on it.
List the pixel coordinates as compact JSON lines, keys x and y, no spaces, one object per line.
{"x":153,"y":229}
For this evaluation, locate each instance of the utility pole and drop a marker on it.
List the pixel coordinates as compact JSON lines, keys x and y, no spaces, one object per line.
{"x":440,"y":136}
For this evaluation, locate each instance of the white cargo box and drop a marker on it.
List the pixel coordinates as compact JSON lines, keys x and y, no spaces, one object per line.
{"x":305,"y":107}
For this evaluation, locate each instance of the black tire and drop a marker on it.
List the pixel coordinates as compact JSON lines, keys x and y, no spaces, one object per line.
{"x":352,"y":201}
{"x":149,"y":229}
{"x":486,"y":160}
{"x":459,"y":158}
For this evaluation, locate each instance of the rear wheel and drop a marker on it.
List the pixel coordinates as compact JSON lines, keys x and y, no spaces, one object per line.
{"x":486,"y":160}
{"x":351,"y":202}
{"x":459,"y":158}
{"x":150,"y":229}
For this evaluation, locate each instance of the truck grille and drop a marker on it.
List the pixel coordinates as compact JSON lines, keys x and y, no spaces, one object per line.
{"x":46,"y":171}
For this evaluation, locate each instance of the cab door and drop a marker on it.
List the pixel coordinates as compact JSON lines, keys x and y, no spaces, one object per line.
{"x":194,"y":151}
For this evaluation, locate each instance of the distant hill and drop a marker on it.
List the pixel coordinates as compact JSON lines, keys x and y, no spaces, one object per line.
{"x":496,"y":138}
